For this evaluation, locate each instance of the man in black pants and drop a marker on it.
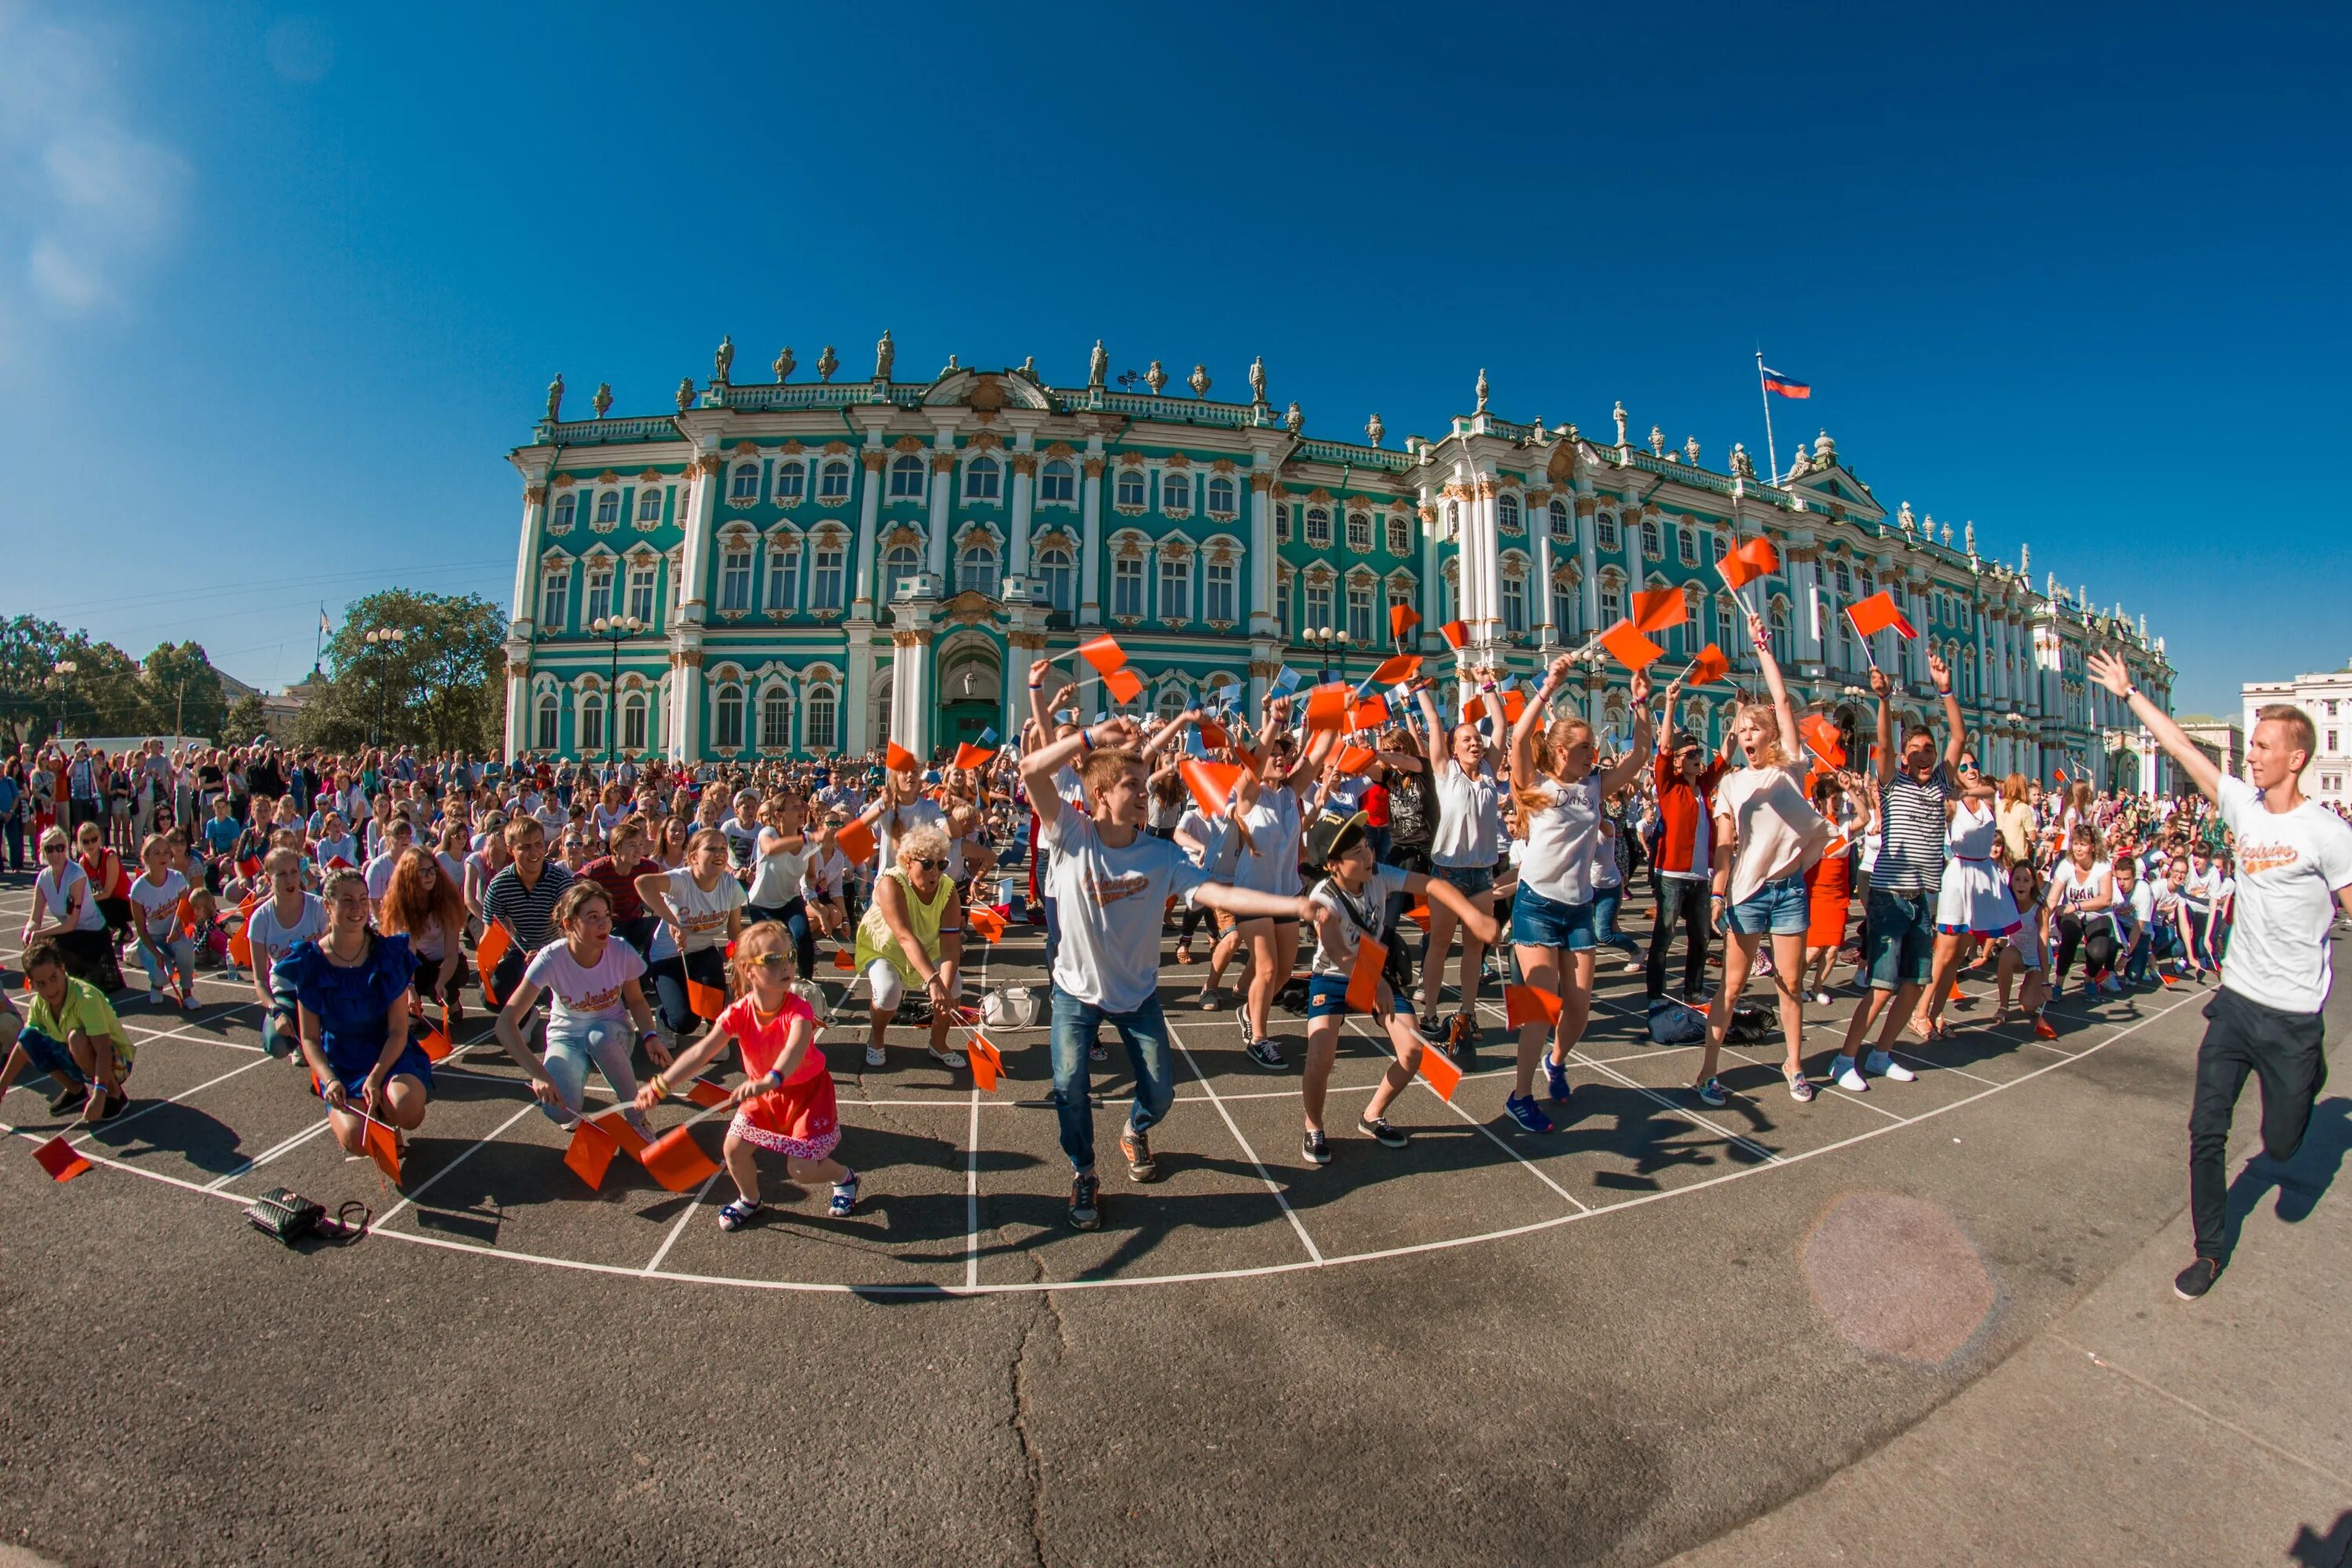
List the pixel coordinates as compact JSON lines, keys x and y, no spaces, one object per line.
{"x":2294,"y":871}
{"x":1680,"y":868}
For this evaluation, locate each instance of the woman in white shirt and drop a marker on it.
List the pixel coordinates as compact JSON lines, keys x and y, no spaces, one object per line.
{"x":1463,"y":849}
{"x":702,"y":904}
{"x":65,"y":910}
{"x":1269,"y":817}
{"x":2082,"y":892}
{"x":166,"y":950}
{"x":1767,"y":834}
{"x":1558,"y":798}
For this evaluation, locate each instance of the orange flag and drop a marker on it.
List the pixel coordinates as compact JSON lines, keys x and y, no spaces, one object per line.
{"x":591,"y":1154}
{"x":383,"y":1148}
{"x":1710,"y":665}
{"x":1820,"y":738}
{"x":1213,"y":733}
{"x":1354,"y":759}
{"x":708,"y":1001}
{"x":1369,"y":714}
{"x":1510,"y":704}
{"x":1104,"y":654}
{"x":1364,"y":975}
{"x":1752,"y":560}
{"x":987,"y":1062}
{"x":611,"y":1125}
{"x":1125,"y":685}
{"x":677,"y":1161}
{"x":1439,"y":1072}
{"x":841,"y":960}
{"x":1419,"y":912}
{"x":1456,"y":633}
{"x":434,"y":1045}
{"x":1403,"y":618}
{"x":486,"y":953}
{"x":1211,"y":783}
{"x":1529,"y":1005}
{"x":1326,"y":707}
{"x":705,"y":1094}
{"x":1397,"y":671}
{"x":855,"y":842}
{"x":1630,"y":647}
{"x":971,"y":757}
{"x":1656,"y":609}
{"x":1877,"y":614}
{"x":60,"y":1159}
{"x":983,"y":922}
{"x":899,"y":760}
{"x":240,"y":945}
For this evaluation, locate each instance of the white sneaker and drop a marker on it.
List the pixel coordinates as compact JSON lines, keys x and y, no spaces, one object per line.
{"x":1847,"y":1077}
{"x":949,"y":1059}
{"x":875,"y":1057}
{"x":1887,"y":1066}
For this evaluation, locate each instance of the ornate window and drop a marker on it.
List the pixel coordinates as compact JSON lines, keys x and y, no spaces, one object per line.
{"x":1220,"y":496}
{"x":1651,"y":549}
{"x":1175,"y":587}
{"x":825,"y":577}
{"x":566,"y":506}
{"x":1175,"y":493}
{"x":1507,"y":515}
{"x":1318,"y":527}
{"x":1281,"y":522}
{"x":1778,"y":615}
{"x":554,"y":597}
{"x":633,"y":722}
{"x":591,"y":723}
{"x":1844,"y":580}
{"x":1727,"y":622}
{"x":1612,"y":599}
{"x":742,"y":485}
{"x":982,"y":480}
{"x":1318,"y":604}
{"x":649,"y":504}
{"x":1399,"y":535}
{"x":902,"y":562}
{"x":1054,"y":565}
{"x":641,"y":590}
{"x":1563,"y":603}
{"x":776,"y":719}
{"x":1605,"y":531}
{"x":822,"y":707}
{"x":1128,"y":491}
{"x":727,"y":717}
{"x":1217,"y":585}
{"x":1689,"y":540}
{"x":1360,"y":532}
{"x":1359,"y":612}
{"x":833,"y":482}
{"x":1563,"y":522}
{"x":791,"y":482}
{"x":1515,"y":597}
{"x":1170,"y":701}
{"x":976,"y":568}
{"x":608,"y":509}
{"x":735,"y":579}
{"x":783,"y":576}
{"x":551,"y":715}
{"x":1126,"y":587}
{"x":600,"y":592}
{"x":907,"y":477}
{"x":1057,"y":481}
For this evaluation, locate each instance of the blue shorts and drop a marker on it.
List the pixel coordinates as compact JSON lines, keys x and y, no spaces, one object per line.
{"x":49,"y":1054}
{"x":1779,"y":909}
{"x":1538,"y":921}
{"x":1471,"y":881}
{"x":1326,"y":996}
{"x":1898,"y":944}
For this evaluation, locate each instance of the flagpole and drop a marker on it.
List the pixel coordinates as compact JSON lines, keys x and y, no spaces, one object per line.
{"x":1772,"y":453}
{"x":318,"y":640}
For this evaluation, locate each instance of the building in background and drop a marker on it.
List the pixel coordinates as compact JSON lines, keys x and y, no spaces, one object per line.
{"x":2328,"y":699}
{"x":798,"y":568}
{"x":2220,"y":739}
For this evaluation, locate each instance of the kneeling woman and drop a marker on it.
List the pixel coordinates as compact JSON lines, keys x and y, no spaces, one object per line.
{"x":352,"y":987}
{"x":702,"y":903}
{"x":592,"y":983}
{"x":913,"y":936}
{"x":785,"y":1102}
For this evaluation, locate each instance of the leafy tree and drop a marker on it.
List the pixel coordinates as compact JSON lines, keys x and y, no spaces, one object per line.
{"x":246,"y":718}
{"x":99,"y":696}
{"x":181,"y":693}
{"x":441,"y":687}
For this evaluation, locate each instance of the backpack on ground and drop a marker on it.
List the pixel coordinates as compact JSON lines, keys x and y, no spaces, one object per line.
{"x":1673,"y":1024}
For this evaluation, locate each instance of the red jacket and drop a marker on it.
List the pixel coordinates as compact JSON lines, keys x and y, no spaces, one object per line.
{"x":1679,"y":806}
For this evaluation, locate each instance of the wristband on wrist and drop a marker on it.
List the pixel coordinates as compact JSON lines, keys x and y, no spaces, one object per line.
{"x":1036,"y":686}
{"x":1085,"y":742}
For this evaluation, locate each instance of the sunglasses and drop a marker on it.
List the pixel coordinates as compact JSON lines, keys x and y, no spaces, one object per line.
{"x":932,"y":865}
{"x":769,"y":960}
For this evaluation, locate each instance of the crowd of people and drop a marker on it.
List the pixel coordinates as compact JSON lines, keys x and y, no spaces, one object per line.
{"x":646,"y":919}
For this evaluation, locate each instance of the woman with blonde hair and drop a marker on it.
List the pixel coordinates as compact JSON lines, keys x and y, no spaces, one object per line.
{"x":912,"y":936}
{"x":2015,"y":817}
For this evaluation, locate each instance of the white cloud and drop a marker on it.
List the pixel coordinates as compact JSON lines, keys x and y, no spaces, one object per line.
{"x":61,"y":278}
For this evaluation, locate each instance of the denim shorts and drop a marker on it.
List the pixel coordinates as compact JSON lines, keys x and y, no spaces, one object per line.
{"x":1898,"y":947}
{"x":1780,"y":909}
{"x":1326,"y":996}
{"x":1468,"y":880}
{"x":1538,"y":921}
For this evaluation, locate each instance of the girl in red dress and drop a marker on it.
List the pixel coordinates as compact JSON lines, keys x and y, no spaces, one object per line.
{"x":784,"y":1104}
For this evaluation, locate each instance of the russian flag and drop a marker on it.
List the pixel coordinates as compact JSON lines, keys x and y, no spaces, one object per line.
{"x":1786,"y":385}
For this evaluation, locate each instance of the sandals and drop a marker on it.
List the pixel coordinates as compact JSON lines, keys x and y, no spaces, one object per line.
{"x":844,"y":1197}
{"x":736,"y":1215}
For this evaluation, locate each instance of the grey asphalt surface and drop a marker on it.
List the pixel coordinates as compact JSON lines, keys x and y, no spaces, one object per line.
{"x":1689,"y":1320}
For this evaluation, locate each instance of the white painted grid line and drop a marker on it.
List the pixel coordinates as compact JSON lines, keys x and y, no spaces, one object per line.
{"x":1234,"y":1127}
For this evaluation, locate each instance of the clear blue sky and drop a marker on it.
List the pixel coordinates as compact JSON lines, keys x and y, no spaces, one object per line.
{"x":277,"y":289}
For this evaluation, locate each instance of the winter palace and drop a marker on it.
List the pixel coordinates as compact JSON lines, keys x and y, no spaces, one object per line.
{"x":795,"y":567}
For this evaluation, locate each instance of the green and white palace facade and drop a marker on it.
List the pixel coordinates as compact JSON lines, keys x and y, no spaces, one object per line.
{"x":815,"y":567}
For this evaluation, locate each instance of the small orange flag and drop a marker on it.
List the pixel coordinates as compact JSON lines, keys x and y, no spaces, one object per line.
{"x":486,"y":953}
{"x":1656,"y":609}
{"x":899,"y":760}
{"x":1456,"y":633}
{"x":987,"y":1062}
{"x":591,"y":1154}
{"x":383,"y":1148}
{"x":855,"y":842}
{"x":1877,"y":614}
{"x":1403,"y":618}
{"x":1419,"y":912}
{"x":60,"y":1159}
{"x":1125,"y":685}
{"x":1104,"y":654}
{"x":1752,"y":560}
{"x":1211,"y":783}
{"x":434,"y":1045}
{"x":614,"y":1126}
{"x":841,"y":960}
{"x":708,"y":1001}
{"x":240,"y":945}
{"x":1369,"y":714}
{"x":677,"y":1161}
{"x":1397,"y":671}
{"x":1630,"y":647}
{"x":1354,"y":759}
{"x":1821,"y":737}
{"x":1214,"y":734}
{"x":1364,"y":975}
{"x":1510,"y":704}
{"x":1710,"y":665}
{"x":1525,"y":1004}
{"x":705,"y":1094}
{"x":983,"y":922}
{"x":1439,"y":1072}
{"x":1326,"y":707}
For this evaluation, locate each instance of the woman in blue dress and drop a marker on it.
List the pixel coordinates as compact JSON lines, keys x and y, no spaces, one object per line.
{"x":352,"y":984}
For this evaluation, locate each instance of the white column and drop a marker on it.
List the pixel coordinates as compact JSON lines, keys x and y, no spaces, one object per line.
{"x":1025,"y":482}
{"x":517,"y":725}
{"x":1588,"y":587}
{"x":1090,"y":542}
{"x":944,"y":475}
{"x":1265,"y":609}
{"x":1806,"y":602}
{"x":910,"y":691}
{"x":686,"y":709}
{"x":874,"y":460}
{"x":1539,"y":525}
{"x":858,"y":690}
{"x":701,"y":500}
{"x":1432,"y":570}
{"x":534,"y":503}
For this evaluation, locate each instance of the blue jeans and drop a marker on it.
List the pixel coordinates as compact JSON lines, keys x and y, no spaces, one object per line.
{"x":170,"y":959}
{"x":1144,"y":1033}
{"x":1605,"y":920}
{"x":2134,"y":962}
{"x":571,"y":1047}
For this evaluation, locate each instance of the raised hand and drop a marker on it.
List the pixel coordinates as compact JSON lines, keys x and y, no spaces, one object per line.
{"x":1879,"y":683}
{"x":2109,"y":672}
{"x":1939,"y":672}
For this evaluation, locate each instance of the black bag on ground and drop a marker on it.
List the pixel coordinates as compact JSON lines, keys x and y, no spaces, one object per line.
{"x":1750,"y":1025}
{"x":283,"y":1213}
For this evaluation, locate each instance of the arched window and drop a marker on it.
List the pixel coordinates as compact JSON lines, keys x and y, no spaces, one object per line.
{"x":825,"y":577}
{"x":1651,"y":549}
{"x":1844,"y":580}
{"x":1281,"y":522}
{"x":1360,"y":532}
{"x":727,"y":716}
{"x":1175,"y":587}
{"x":1318,"y":527}
{"x":600,"y":591}
{"x":783,"y":576}
{"x":1613,"y":600}
{"x":1688,"y":540}
{"x":1175,"y":493}
{"x":1563,"y":523}
{"x":981,"y":479}
{"x":907,"y":477}
{"x":1220,"y":496}
{"x":1170,"y":702}
{"x":566,"y":506}
{"x":1605,"y":531}
{"x":743,"y":484}
{"x":735,"y":578}
{"x":833,"y":482}
{"x":608,"y":508}
{"x":1217,"y":587}
{"x":1564,"y":603}
{"x":1507,"y":513}
{"x":1779,"y":615}
{"x":649,"y":504}
{"x":791,"y":482}
{"x":1727,"y":625}
{"x":591,"y":723}
{"x":1318,"y":603}
{"x":1399,"y":535}
{"x":976,"y":569}
{"x":550,"y":716}
{"x":902,"y":562}
{"x":776,"y":720}
{"x":822,"y":707}
{"x":1127,"y":586}
{"x":1129,"y":488}
{"x":633,"y":722}
{"x":1057,"y":481}
{"x":1054,"y":566}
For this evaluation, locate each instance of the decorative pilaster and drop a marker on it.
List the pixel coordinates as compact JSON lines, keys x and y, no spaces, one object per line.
{"x":1264,"y":620}
{"x":521,"y":611}
{"x":910,"y":674}
{"x":858,"y":697}
{"x":686,"y":700}
{"x":1025,"y":480}
{"x":869,"y":507}
{"x":701,"y":501}
{"x":1588,"y":561}
{"x":1090,"y":544}
{"x":934,"y":554}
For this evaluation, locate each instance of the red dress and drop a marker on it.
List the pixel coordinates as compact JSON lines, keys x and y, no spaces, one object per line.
{"x":1829,"y":887}
{"x":800,"y":1119}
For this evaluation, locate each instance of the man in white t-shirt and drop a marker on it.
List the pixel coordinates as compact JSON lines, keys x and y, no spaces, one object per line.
{"x":2294,"y":871}
{"x":1113,"y":881}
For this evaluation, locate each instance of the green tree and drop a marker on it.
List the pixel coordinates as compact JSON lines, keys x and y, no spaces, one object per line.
{"x":441,"y":687}
{"x":246,"y":718}
{"x":99,"y":695}
{"x":181,"y":692}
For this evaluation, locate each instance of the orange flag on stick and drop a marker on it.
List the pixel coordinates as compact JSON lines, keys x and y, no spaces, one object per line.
{"x":1656,"y":609}
{"x":705,"y":1094}
{"x":1326,"y":707}
{"x":1456,"y":633}
{"x":1630,"y":647}
{"x":1437,"y":1069}
{"x":591,"y":1154}
{"x":434,"y":1045}
{"x":677,"y":1161}
{"x":1419,"y":912}
{"x":987,"y":1062}
{"x":1403,"y":618}
{"x":1710,"y":665}
{"x":1354,"y":759}
{"x":1820,"y":738}
{"x":971,"y":757}
{"x":855,"y":842}
{"x":60,"y":1159}
{"x":240,"y":945}
{"x":486,"y":953}
{"x":1364,"y":975}
{"x":383,"y":1148}
{"x":1211,"y":783}
{"x":1877,"y":614}
{"x":899,"y":760}
{"x":983,"y":922}
{"x":611,"y":1124}
{"x":840,"y":959}
{"x":1397,"y":671}
{"x":1369,"y":714}
{"x":1524,"y":1004}
{"x":1752,"y":560}
{"x":1214,"y":734}
{"x":1125,"y":685}
{"x":1104,"y":654}
{"x":708,"y":1001}
{"x":1510,"y":704}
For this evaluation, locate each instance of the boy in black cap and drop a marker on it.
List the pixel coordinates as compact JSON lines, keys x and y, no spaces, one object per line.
{"x":1345,"y":906}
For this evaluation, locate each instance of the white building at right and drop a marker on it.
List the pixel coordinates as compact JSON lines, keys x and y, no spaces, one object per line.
{"x":2328,"y":699}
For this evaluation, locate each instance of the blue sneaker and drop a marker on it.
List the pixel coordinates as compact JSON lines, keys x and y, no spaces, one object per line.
{"x":1556,"y":1079}
{"x":1524,"y":1111}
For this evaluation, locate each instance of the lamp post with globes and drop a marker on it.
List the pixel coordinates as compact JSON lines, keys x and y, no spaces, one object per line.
{"x":1326,"y":642}
{"x":615,"y":630}
{"x":383,"y":639}
{"x":61,"y":670}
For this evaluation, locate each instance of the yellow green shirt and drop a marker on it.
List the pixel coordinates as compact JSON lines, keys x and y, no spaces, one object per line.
{"x":876,"y":940}
{"x":85,"y":1008}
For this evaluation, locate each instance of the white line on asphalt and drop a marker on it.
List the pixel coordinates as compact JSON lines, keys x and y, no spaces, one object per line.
{"x":1234,"y":1128}
{"x":693,"y":1207}
{"x":971,"y":1196}
{"x":425,"y":1185}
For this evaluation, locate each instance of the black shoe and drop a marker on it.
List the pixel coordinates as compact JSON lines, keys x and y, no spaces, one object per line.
{"x":2196,"y":1279}
{"x":1084,"y":1214}
{"x":1136,"y":1147}
{"x":64,"y":1102}
{"x":1316,"y":1147}
{"x":1267,"y":1055}
{"x":1379,"y":1130}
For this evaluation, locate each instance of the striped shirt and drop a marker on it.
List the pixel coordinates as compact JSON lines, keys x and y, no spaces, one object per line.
{"x":529,"y":912}
{"x":1911,"y":847}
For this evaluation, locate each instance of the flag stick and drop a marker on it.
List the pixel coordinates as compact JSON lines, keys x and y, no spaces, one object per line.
{"x":1772,"y":453}
{"x":1736,"y":597}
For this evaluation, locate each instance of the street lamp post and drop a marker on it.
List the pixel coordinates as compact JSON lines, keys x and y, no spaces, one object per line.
{"x":62,"y":668}
{"x":615,"y":630}
{"x":1327,"y":642}
{"x":383,"y":639}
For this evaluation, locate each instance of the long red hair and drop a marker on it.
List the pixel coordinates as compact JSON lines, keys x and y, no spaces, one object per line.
{"x":409,"y":905}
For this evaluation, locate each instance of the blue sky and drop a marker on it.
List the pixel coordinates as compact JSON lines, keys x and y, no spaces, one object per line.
{"x":278,"y":290}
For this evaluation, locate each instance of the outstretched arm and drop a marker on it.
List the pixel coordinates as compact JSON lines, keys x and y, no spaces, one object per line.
{"x":1792,"y":744}
{"x":1630,"y":766}
{"x":1956,"y":724}
{"x":2115,"y":676}
{"x":1881,"y":684}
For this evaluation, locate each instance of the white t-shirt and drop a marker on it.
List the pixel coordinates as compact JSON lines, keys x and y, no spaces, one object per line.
{"x":2291,"y":865}
{"x":1469,"y":818}
{"x":1111,"y":901}
{"x":379,"y":875}
{"x":54,"y":893}
{"x":894,"y":824}
{"x":2070,"y":887}
{"x":159,"y":904}
{"x":1274,"y":827}
{"x":777,"y":881}
{"x":272,"y":941}
{"x":1563,"y":838}
{"x":1371,"y":903}
{"x":584,"y":995}
{"x":1218,"y":841}
{"x":2203,"y":888}
{"x":703,"y":913}
{"x":1777,"y":832}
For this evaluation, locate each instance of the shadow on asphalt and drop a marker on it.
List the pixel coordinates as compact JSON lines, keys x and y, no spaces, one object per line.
{"x":2300,"y":1182}
{"x":2330,"y":1551}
